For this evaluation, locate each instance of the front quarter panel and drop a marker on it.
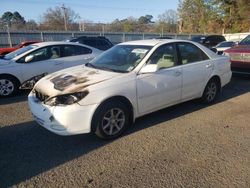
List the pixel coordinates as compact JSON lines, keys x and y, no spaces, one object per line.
{"x":13,"y":69}
{"x":123,"y":85}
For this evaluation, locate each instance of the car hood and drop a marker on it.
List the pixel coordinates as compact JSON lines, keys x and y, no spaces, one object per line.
{"x":72,"y":80}
{"x":239,"y":49}
{"x":4,"y":62}
{"x":7,"y":49}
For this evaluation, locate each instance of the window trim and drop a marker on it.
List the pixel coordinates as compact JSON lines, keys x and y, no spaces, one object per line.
{"x":176,"y":63}
{"x":180,"y":57}
{"x":73,"y":46}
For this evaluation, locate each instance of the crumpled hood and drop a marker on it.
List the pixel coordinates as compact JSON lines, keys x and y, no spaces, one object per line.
{"x":72,"y":80}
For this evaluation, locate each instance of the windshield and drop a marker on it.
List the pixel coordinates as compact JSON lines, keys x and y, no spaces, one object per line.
{"x":18,"y":52}
{"x":120,"y":58}
{"x":245,"y":41}
{"x":225,"y":44}
{"x":197,"y":38}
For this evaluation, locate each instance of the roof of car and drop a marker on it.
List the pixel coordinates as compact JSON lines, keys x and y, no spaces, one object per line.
{"x":40,"y":44}
{"x":151,"y":42}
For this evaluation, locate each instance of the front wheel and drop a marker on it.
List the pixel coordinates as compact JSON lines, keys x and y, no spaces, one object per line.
{"x":8,"y":86}
{"x":111,"y":119}
{"x":211,"y":91}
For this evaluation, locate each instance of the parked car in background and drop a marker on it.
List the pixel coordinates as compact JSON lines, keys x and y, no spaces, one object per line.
{"x":222,"y":46}
{"x":240,"y":56}
{"x":128,"y":81}
{"x":100,"y":42}
{"x":23,"y":67}
{"x":164,"y":37}
{"x":4,"y":51}
{"x":209,"y":40}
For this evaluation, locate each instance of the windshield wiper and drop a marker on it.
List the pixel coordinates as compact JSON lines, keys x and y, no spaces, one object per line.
{"x":104,"y":68}
{"x":90,"y":65}
{"x":109,"y":69}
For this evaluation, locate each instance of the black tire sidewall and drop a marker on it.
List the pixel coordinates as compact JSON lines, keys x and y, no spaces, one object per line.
{"x":204,"y":96}
{"x":101,"y":111}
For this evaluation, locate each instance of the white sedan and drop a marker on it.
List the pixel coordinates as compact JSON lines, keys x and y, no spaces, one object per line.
{"x":128,"y":81}
{"x":22,"y":68}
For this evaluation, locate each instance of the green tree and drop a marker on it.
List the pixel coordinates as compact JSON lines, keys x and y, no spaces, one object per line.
{"x":193,"y":15}
{"x":145,"y":19}
{"x":14,"y":20}
{"x":7,"y":17}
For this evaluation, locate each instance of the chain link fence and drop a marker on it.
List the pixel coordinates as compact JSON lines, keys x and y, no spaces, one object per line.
{"x":13,"y":38}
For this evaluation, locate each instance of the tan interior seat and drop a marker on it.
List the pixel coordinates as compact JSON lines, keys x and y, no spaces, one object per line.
{"x":165,"y":61}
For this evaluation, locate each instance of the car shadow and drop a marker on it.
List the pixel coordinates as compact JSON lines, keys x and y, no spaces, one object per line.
{"x":26,"y":149}
{"x":20,"y":97}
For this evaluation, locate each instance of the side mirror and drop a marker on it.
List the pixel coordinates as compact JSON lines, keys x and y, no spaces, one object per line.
{"x":151,"y":68}
{"x":29,"y":58}
{"x":214,"y":50}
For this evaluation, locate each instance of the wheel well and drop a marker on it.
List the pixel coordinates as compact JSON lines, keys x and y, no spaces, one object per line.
{"x":116,"y":98}
{"x":10,"y":75}
{"x":217,"y":79}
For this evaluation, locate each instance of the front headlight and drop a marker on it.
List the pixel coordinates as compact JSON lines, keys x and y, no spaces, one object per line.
{"x":66,"y":99}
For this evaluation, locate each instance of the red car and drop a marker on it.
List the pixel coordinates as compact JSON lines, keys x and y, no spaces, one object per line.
{"x":4,"y":51}
{"x":240,"y":56}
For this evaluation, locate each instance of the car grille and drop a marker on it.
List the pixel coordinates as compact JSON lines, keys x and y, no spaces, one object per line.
{"x":41,"y":96}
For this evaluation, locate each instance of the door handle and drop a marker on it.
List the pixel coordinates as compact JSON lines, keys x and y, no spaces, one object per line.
{"x":208,"y":65}
{"x":58,"y":63}
{"x":177,"y":73}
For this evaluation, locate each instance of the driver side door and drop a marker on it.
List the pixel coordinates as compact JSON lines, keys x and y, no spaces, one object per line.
{"x":43,"y":61}
{"x":161,"y":88}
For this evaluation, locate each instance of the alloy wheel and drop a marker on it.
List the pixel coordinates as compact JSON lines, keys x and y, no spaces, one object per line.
{"x":113,"y":121}
{"x":6,"y":87}
{"x":211,"y":91}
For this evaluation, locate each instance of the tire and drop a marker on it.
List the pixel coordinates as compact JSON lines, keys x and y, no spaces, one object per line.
{"x":211,"y":92}
{"x":9,"y":86}
{"x":110,"y":120}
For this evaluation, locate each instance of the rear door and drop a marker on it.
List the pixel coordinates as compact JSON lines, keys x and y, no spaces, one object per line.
{"x":196,"y":70}
{"x":73,"y":55}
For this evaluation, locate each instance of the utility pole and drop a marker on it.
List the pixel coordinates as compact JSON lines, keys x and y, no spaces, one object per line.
{"x":64,"y":16}
{"x":9,"y":38}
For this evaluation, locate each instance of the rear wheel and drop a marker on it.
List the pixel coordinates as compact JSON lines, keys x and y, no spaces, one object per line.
{"x":211,"y":91}
{"x":111,"y":119}
{"x":8,"y":86}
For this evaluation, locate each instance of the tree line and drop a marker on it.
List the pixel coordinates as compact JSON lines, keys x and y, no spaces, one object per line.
{"x":214,"y":16}
{"x":192,"y":16}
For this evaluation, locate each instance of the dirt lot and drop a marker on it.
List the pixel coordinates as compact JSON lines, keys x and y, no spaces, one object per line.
{"x":188,"y":145}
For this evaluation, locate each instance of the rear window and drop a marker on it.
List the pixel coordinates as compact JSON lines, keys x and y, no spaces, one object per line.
{"x":245,"y":41}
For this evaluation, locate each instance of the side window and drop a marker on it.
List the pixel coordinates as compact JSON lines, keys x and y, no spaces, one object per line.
{"x":38,"y":55}
{"x":92,"y":43}
{"x":190,"y":53}
{"x":55,"y":52}
{"x":71,"y":50}
{"x":164,"y":56}
{"x":80,"y":50}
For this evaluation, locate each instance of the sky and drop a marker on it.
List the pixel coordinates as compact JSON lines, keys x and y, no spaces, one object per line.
{"x":103,"y":11}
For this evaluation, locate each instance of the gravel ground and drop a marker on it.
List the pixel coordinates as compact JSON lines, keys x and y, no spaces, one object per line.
{"x":188,"y":145}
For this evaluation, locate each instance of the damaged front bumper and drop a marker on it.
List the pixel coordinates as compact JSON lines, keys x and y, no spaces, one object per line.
{"x":62,"y":120}
{"x":29,"y":84}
